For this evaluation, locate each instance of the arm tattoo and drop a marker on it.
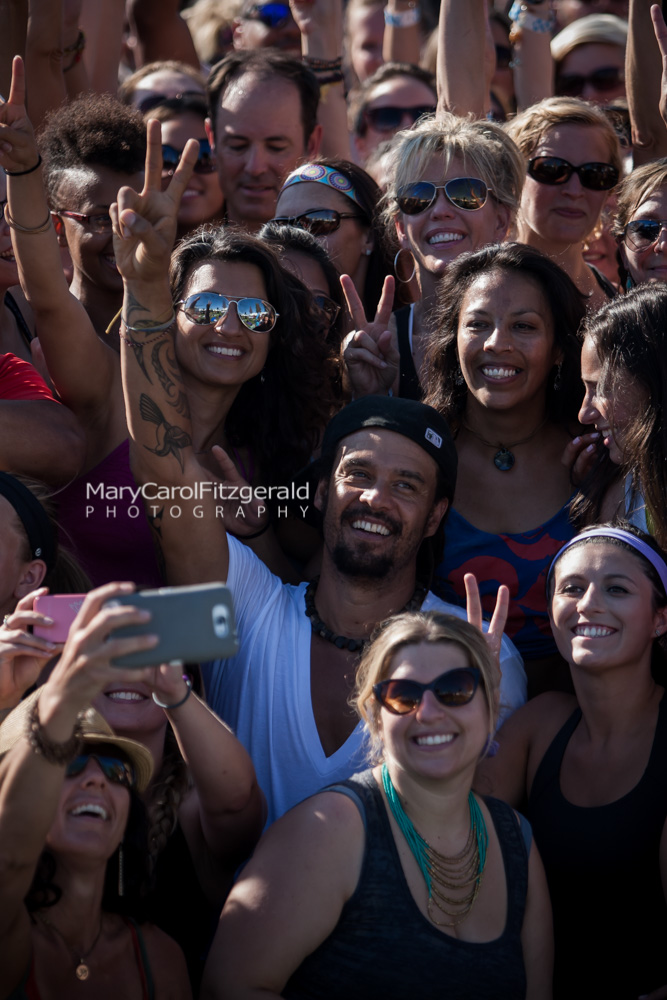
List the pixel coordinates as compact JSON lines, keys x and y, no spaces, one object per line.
{"x":169,"y":439}
{"x":176,"y":396}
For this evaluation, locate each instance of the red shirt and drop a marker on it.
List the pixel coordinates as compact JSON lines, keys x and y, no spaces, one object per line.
{"x":19,"y":380}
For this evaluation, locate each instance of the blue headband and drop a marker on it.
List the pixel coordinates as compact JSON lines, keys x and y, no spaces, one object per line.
{"x":645,"y":550}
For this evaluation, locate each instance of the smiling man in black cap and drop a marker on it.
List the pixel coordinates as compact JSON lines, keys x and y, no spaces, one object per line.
{"x":386,"y":477}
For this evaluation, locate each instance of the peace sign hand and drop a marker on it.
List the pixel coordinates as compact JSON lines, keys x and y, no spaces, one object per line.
{"x":494,"y":635}
{"x":18,"y":149}
{"x":145,"y":223}
{"x":370,"y":351}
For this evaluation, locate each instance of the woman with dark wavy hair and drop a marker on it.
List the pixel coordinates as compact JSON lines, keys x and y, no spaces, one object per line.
{"x":624,"y":367}
{"x":503,"y":368}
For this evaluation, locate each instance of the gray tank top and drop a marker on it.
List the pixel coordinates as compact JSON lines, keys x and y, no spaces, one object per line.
{"x":384,"y":947}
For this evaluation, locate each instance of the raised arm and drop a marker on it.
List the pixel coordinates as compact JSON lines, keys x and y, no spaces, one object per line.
{"x":193,"y":548}
{"x":54,"y":67}
{"x":102,"y":22}
{"x":533,"y":62}
{"x":402,"y":32}
{"x":83,"y":369}
{"x":646,"y":80}
{"x":162,"y":32}
{"x":463,"y":88}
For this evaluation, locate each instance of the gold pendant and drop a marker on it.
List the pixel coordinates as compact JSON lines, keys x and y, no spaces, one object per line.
{"x":82,"y":971}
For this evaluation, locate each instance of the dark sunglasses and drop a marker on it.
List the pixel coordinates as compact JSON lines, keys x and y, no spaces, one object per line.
{"x":328,"y":307}
{"x":453,"y":688}
{"x":318,"y":222}
{"x":605,"y":79}
{"x":466,"y":193}
{"x":208,"y":308}
{"x":187,"y":98}
{"x":205,"y":163}
{"x":389,"y":119}
{"x":115,"y":769}
{"x":503,"y":56}
{"x":643,"y":233}
{"x":273,"y":15}
{"x":100,"y":223}
{"x":554,"y":170}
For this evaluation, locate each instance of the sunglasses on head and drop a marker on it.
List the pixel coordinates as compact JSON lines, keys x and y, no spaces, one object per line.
{"x":318,"y":222}
{"x":466,"y":193}
{"x":390,"y":118}
{"x":205,"y":163}
{"x":453,"y":688}
{"x":187,"y":98}
{"x":114,"y":768}
{"x":328,"y":307}
{"x":643,"y":233}
{"x":273,"y":15}
{"x":605,"y":79}
{"x":554,"y":170}
{"x":208,"y":308}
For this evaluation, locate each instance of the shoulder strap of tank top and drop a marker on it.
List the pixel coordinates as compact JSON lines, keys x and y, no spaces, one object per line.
{"x":141,"y":955}
{"x":549,"y":767}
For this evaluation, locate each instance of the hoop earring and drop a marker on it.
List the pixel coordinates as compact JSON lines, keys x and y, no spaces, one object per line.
{"x":404,"y":281}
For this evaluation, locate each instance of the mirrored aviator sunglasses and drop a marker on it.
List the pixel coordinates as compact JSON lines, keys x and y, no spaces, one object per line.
{"x":643,"y":233}
{"x":554,"y":170}
{"x":467,"y":193}
{"x":318,"y":222}
{"x":208,"y":308}
{"x":205,"y":163}
{"x":115,"y":769}
{"x":453,"y":688}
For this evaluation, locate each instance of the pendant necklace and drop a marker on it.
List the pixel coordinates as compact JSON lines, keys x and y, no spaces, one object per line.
{"x":82,"y":970}
{"x":343,"y":641}
{"x":504,"y":457}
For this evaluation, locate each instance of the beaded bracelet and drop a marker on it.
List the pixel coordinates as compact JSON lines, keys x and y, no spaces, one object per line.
{"x":29,"y":230}
{"x":522,"y":18}
{"x":325,"y":81}
{"x":53,"y":753}
{"x":158,"y":328}
{"x":30,"y":170}
{"x":177,"y":704}
{"x":323,"y":65}
{"x":403,"y":18}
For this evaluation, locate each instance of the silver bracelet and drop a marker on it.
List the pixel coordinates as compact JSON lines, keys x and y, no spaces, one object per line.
{"x":158,"y":328}
{"x":177,"y":704}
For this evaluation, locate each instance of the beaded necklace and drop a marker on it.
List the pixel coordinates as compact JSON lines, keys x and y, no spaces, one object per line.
{"x":440,"y":872}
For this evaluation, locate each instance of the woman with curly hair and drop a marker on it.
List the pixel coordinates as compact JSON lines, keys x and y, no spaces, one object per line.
{"x":503,"y":369}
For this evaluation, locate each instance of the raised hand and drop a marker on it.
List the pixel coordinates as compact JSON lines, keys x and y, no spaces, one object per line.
{"x":18,"y":149}
{"x":22,"y":655}
{"x":579,"y":456}
{"x":494,"y":634}
{"x":144,"y":222}
{"x":318,"y":16}
{"x":255,"y":512}
{"x":370,"y":352}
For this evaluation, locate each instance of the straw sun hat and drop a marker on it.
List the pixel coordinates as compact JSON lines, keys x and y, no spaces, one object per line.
{"x":95,"y":731}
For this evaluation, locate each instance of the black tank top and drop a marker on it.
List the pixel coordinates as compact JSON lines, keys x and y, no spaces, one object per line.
{"x":408,"y":379}
{"x":384,"y":947}
{"x":602,"y":865}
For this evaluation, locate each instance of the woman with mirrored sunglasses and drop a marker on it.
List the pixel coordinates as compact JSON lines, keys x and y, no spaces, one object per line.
{"x":503,"y":368}
{"x":454,"y":186}
{"x":573,"y":161}
{"x":202,"y":201}
{"x":337,"y":202}
{"x":74,"y":832}
{"x":587,"y":768}
{"x":639,"y":224}
{"x":401,"y":878}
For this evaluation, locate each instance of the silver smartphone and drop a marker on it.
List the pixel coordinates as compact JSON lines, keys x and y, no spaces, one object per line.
{"x":193,"y":624}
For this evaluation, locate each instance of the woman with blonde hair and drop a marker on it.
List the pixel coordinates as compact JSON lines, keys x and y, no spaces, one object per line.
{"x":639,"y":224}
{"x":573,"y":161}
{"x":403,"y":859}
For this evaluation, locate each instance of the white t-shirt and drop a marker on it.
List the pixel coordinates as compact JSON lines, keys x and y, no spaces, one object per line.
{"x":263,"y":692}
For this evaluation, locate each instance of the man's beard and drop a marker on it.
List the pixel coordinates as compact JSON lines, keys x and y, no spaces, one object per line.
{"x":351,"y":562}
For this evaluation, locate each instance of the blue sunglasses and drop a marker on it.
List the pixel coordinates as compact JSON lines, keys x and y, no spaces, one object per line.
{"x":273,"y":15}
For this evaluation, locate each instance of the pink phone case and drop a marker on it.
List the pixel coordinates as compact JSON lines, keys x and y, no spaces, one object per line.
{"x":63,"y":608}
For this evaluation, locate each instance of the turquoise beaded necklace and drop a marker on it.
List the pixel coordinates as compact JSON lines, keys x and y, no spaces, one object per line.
{"x":464,"y":871}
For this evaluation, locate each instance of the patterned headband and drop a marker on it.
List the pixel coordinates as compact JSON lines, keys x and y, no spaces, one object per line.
{"x":317,"y":173}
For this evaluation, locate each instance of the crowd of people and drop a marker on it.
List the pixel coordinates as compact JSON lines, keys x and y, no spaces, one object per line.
{"x":360,"y":308}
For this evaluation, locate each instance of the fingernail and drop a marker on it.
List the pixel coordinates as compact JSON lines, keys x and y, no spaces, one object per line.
{"x":576,"y":440}
{"x":48,"y":621}
{"x":594,"y":434}
{"x":591,"y":448}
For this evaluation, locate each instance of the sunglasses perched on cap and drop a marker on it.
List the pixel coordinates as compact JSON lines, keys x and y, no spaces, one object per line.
{"x":643,"y":233}
{"x":205,"y":162}
{"x":604,"y":80}
{"x":114,"y":768}
{"x":390,"y":118}
{"x":554,"y":170}
{"x":187,"y":98}
{"x":453,"y":688}
{"x":467,"y":193}
{"x":273,"y":15}
{"x":208,"y":308}
{"x":318,"y":222}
